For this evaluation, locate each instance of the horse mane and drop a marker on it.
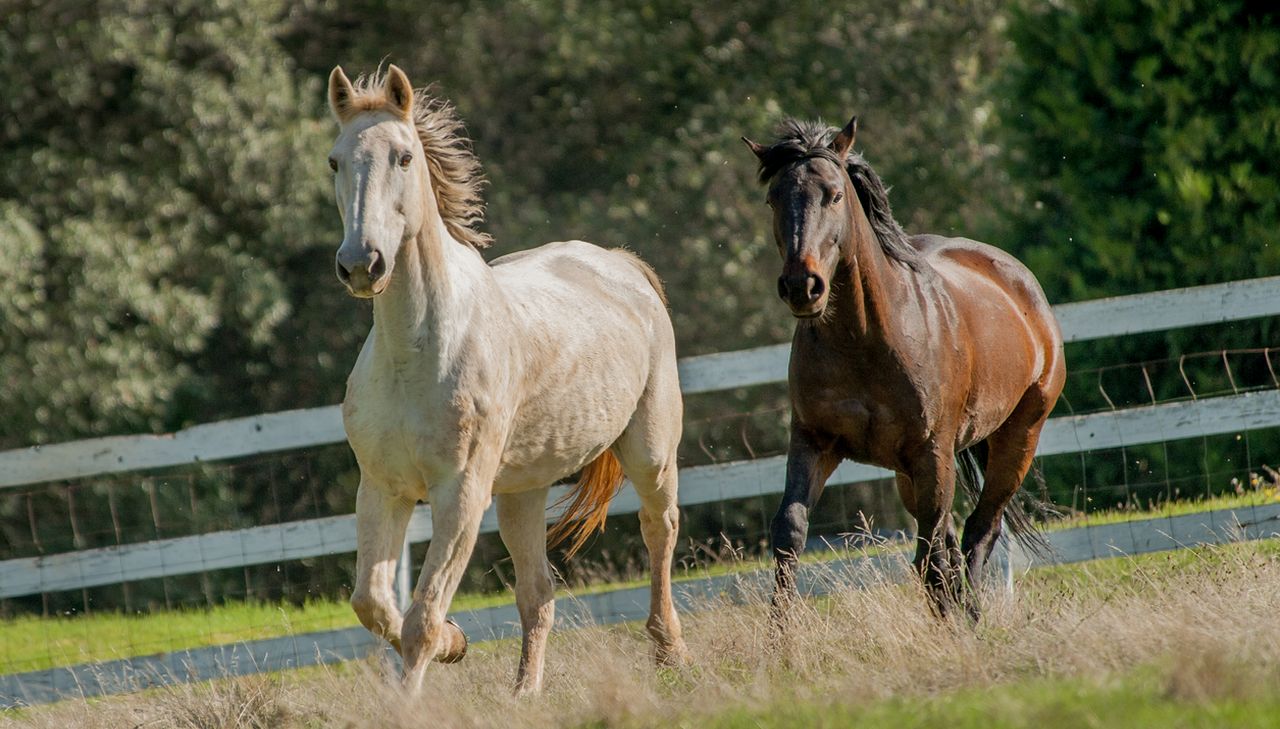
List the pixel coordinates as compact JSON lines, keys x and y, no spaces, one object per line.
{"x":799,"y":140}
{"x":456,"y":177}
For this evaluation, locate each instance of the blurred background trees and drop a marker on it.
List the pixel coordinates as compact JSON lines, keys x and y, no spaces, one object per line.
{"x":168,"y":228}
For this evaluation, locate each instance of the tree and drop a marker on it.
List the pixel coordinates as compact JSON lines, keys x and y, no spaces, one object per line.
{"x":1144,"y":136}
{"x":160,"y":191}
{"x":1141,"y":140}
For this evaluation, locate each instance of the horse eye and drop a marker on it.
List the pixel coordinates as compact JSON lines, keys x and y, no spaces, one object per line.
{"x":405,"y":159}
{"x":837,"y":197}
{"x":333,"y":164}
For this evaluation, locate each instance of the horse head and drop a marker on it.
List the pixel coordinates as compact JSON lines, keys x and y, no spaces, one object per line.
{"x":810,"y":194}
{"x":380,"y":177}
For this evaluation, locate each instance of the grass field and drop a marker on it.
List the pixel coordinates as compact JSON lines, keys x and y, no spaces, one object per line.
{"x":34,"y":643}
{"x":1175,"y":639}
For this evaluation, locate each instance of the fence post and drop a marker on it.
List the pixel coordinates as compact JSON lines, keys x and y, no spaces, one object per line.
{"x":404,"y":584}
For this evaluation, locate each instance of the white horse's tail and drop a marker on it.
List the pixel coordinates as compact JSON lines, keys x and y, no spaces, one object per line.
{"x":588,"y":503}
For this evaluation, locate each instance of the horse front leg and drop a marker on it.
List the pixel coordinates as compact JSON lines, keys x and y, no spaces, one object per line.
{"x":457,"y":507}
{"x":381,"y":520}
{"x":938,"y":560}
{"x":808,"y":468}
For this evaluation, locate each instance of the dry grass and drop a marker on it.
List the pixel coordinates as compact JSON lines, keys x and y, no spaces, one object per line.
{"x":1200,"y":623}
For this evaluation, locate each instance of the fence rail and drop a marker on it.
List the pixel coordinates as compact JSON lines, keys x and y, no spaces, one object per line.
{"x":698,"y":485}
{"x":291,"y":429}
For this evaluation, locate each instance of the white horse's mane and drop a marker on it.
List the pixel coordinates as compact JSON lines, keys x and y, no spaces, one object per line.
{"x":456,"y":177}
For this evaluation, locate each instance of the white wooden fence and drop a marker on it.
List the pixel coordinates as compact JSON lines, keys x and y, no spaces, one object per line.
{"x":334,"y":535}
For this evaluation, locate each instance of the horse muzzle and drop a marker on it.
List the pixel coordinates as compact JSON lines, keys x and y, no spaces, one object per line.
{"x":363,"y":272}
{"x":804,"y":292}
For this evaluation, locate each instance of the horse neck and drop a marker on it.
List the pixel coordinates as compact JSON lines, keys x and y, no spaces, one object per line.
{"x":435,"y":288}
{"x":871,"y":287}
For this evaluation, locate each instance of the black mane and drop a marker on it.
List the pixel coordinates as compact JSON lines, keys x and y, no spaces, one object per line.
{"x":798,"y":140}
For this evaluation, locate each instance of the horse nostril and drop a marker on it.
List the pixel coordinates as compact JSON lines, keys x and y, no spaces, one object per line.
{"x":377,"y":266}
{"x":816,"y":287}
{"x":343,"y":274}
{"x":782,"y":287}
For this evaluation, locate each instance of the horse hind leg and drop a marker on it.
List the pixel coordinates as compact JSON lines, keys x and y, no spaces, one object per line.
{"x":1011,"y":449}
{"x":659,"y":525}
{"x":522,"y":524}
{"x":647,"y":452}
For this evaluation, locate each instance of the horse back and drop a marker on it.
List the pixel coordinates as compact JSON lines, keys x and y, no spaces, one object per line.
{"x":982,"y":277}
{"x":594,"y":333}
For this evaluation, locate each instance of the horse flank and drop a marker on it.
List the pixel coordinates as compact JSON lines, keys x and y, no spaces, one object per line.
{"x":600,"y":480}
{"x":456,"y":176}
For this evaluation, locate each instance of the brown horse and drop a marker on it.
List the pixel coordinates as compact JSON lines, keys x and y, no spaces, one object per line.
{"x":908,"y":351}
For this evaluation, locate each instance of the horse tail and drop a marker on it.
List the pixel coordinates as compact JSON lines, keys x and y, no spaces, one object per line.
{"x":647,"y":270}
{"x":588,"y":503}
{"x":1016,"y":514}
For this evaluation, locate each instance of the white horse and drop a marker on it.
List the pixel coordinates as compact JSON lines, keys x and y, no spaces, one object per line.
{"x":482,"y":381}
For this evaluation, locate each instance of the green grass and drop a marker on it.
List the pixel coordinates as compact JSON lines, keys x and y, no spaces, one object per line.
{"x":1166,"y":509}
{"x":35,"y":643}
{"x":1138,"y":700}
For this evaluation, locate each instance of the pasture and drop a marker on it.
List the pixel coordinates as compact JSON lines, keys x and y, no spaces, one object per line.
{"x":194,"y":532}
{"x":33,"y":643}
{"x":1185,"y":638}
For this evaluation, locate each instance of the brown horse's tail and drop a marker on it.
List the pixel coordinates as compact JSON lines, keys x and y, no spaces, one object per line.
{"x":588,"y":503}
{"x":1018,"y":512}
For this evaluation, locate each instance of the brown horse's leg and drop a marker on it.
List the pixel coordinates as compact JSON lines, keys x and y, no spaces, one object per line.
{"x":906,"y":491}
{"x":1011,"y":450}
{"x":808,"y":468}
{"x":933,"y":481}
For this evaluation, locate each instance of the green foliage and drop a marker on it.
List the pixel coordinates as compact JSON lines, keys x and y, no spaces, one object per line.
{"x":160,"y":179}
{"x":1140,"y":139}
{"x":1143,"y":136}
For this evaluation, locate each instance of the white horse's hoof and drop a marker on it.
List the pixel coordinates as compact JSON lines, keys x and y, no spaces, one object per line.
{"x":454,"y":646}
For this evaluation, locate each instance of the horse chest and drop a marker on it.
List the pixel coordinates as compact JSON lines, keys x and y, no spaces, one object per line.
{"x":400,"y":442}
{"x":873,"y":410}
{"x":864,"y":428}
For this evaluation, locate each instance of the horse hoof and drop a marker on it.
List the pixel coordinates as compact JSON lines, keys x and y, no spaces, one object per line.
{"x":455,"y":643}
{"x":672,"y":656}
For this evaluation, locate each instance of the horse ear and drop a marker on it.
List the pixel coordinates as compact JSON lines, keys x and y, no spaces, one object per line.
{"x":340,"y":93}
{"x":399,"y":91}
{"x":756,"y":149}
{"x":844,"y":140}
